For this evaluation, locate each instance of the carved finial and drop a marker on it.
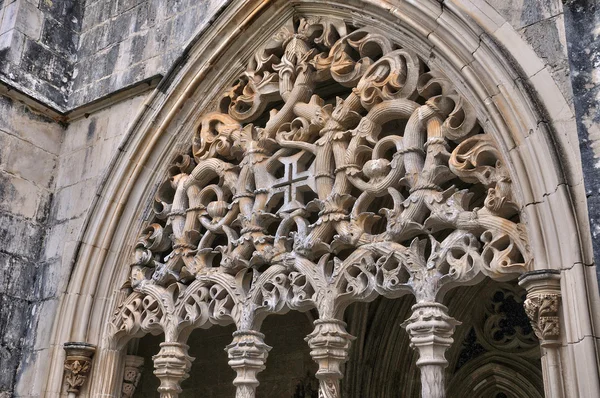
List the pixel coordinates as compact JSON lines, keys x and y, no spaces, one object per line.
{"x":78,"y":363}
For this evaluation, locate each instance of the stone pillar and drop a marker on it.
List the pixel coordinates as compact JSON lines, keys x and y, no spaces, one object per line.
{"x":78,"y":363}
{"x":247,"y":356}
{"x":329,"y":345}
{"x":134,"y":366}
{"x":172,"y":365}
{"x":431,"y":329}
{"x":542,"y":307}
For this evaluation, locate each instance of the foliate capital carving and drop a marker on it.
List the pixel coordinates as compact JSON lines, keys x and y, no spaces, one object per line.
{"x":329,"y":344}
{"x":543,"y":304}
{"x":134,"y":366}
{"x":172,"y":365}
{"x":431,"y":329}
{"x":247,"y":356}
{"x":78,"y":363}
{"x":542,"y":310}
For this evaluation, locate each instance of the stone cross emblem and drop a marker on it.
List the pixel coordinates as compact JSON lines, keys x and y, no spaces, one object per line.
{"x":298,"y":179}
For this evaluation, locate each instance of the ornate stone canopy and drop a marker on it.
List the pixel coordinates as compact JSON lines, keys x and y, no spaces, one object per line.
{"x":337,"y":168}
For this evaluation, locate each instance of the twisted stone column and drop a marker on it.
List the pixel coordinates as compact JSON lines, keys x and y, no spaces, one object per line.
{"x":172,"y":365}
{"x":431,"y":329}
{"x":542,"y":307}
{"x":329,"y":344}
{"x":247,"y":356}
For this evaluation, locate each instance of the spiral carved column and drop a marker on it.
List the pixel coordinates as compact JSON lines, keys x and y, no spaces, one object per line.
{"x":430,"y":329}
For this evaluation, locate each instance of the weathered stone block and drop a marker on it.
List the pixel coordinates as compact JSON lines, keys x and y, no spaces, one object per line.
{"x":45,"y":64}
{"x":18,"y":196}
{"x":31,"y":162}
{"x":20,"y":237}
{"x":11,"y":46}
{"x":59,"y":39}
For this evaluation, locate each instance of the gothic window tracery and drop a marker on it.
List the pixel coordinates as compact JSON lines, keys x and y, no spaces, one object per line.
{"x":337,"y":168}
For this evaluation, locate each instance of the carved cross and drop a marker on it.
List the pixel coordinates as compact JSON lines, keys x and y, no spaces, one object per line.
{"x":298,"y":178}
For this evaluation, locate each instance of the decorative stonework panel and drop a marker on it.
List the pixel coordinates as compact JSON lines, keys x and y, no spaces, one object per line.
{"x":338,"y":167}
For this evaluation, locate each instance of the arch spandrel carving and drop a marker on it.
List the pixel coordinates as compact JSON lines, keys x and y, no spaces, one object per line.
{"x":338,"y":167}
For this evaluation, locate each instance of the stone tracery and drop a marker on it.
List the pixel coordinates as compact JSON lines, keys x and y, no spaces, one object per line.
{"x":369,"y":175}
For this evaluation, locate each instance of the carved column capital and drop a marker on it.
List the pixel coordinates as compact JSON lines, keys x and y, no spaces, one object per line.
{"x":172,"y":365}
{"x":132,"y":373}
{"x":329,"y":345}
{"x":78,"y":363}
{"x":247,"y":356}
{"x":431,"y":329}
{"x":543,"y":303}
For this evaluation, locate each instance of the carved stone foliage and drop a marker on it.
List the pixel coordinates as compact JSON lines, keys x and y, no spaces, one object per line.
{"x":78,"y":363}
{"x":542,"y":309}
{"x":336,"y":168}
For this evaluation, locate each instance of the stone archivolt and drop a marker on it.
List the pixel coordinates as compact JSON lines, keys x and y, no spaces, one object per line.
{"x":337,"y":168}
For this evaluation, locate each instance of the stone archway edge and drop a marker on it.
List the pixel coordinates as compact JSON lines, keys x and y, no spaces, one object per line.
{"x":90,"y":292}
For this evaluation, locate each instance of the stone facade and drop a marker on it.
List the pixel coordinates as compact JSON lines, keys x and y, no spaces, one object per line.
{"x":80,"y":168}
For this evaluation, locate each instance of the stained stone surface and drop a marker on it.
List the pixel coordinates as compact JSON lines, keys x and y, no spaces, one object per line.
{"x":582,"y":23}
{"x":68,"y":53}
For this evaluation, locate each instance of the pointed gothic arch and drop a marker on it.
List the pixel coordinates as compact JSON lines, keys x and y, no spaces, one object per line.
{"x":462,"y":82}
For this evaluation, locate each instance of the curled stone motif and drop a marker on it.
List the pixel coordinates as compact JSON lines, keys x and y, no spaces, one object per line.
{"x":78,"y":362}
{"x":336,"y":168}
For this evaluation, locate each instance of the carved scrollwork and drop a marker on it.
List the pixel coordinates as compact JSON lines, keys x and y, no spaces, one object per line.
{"x":337,"y":167}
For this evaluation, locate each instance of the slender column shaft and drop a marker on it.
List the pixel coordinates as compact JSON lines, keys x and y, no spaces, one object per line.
{"x":430,"y":329}
{"x":542,"y":307}
{"x":247,"y":356}
{"x":329,"y":344}
{"x":172,"y":365}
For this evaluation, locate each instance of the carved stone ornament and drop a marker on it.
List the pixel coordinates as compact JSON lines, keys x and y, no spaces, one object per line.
{"x":542,"y":309}
{"x":543,"y":303}
{"x":134,"y":366}
{"x":336,"y":168}
{"x":78,"y":362}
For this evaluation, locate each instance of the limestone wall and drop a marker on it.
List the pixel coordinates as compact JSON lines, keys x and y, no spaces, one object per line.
{"x":29,"y":150}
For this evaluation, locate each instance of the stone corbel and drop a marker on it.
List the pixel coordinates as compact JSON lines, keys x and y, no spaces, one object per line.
{"x":132,"y":373}
{"x":172,"y":365}
{"x":431,"y":329}
{"x":247,"y":356}
{"x":329,"y":345}
{"x":78,"y":362}
{"x":542,"y":307}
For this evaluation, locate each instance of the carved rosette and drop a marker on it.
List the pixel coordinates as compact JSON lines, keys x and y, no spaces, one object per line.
{"x":134,"y":366}
{"x":172,"y":365}
{"x":329,"y":346}
{"x":431,"y":329}
{"x":247,"y":356}
{"x":78,"y":363}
